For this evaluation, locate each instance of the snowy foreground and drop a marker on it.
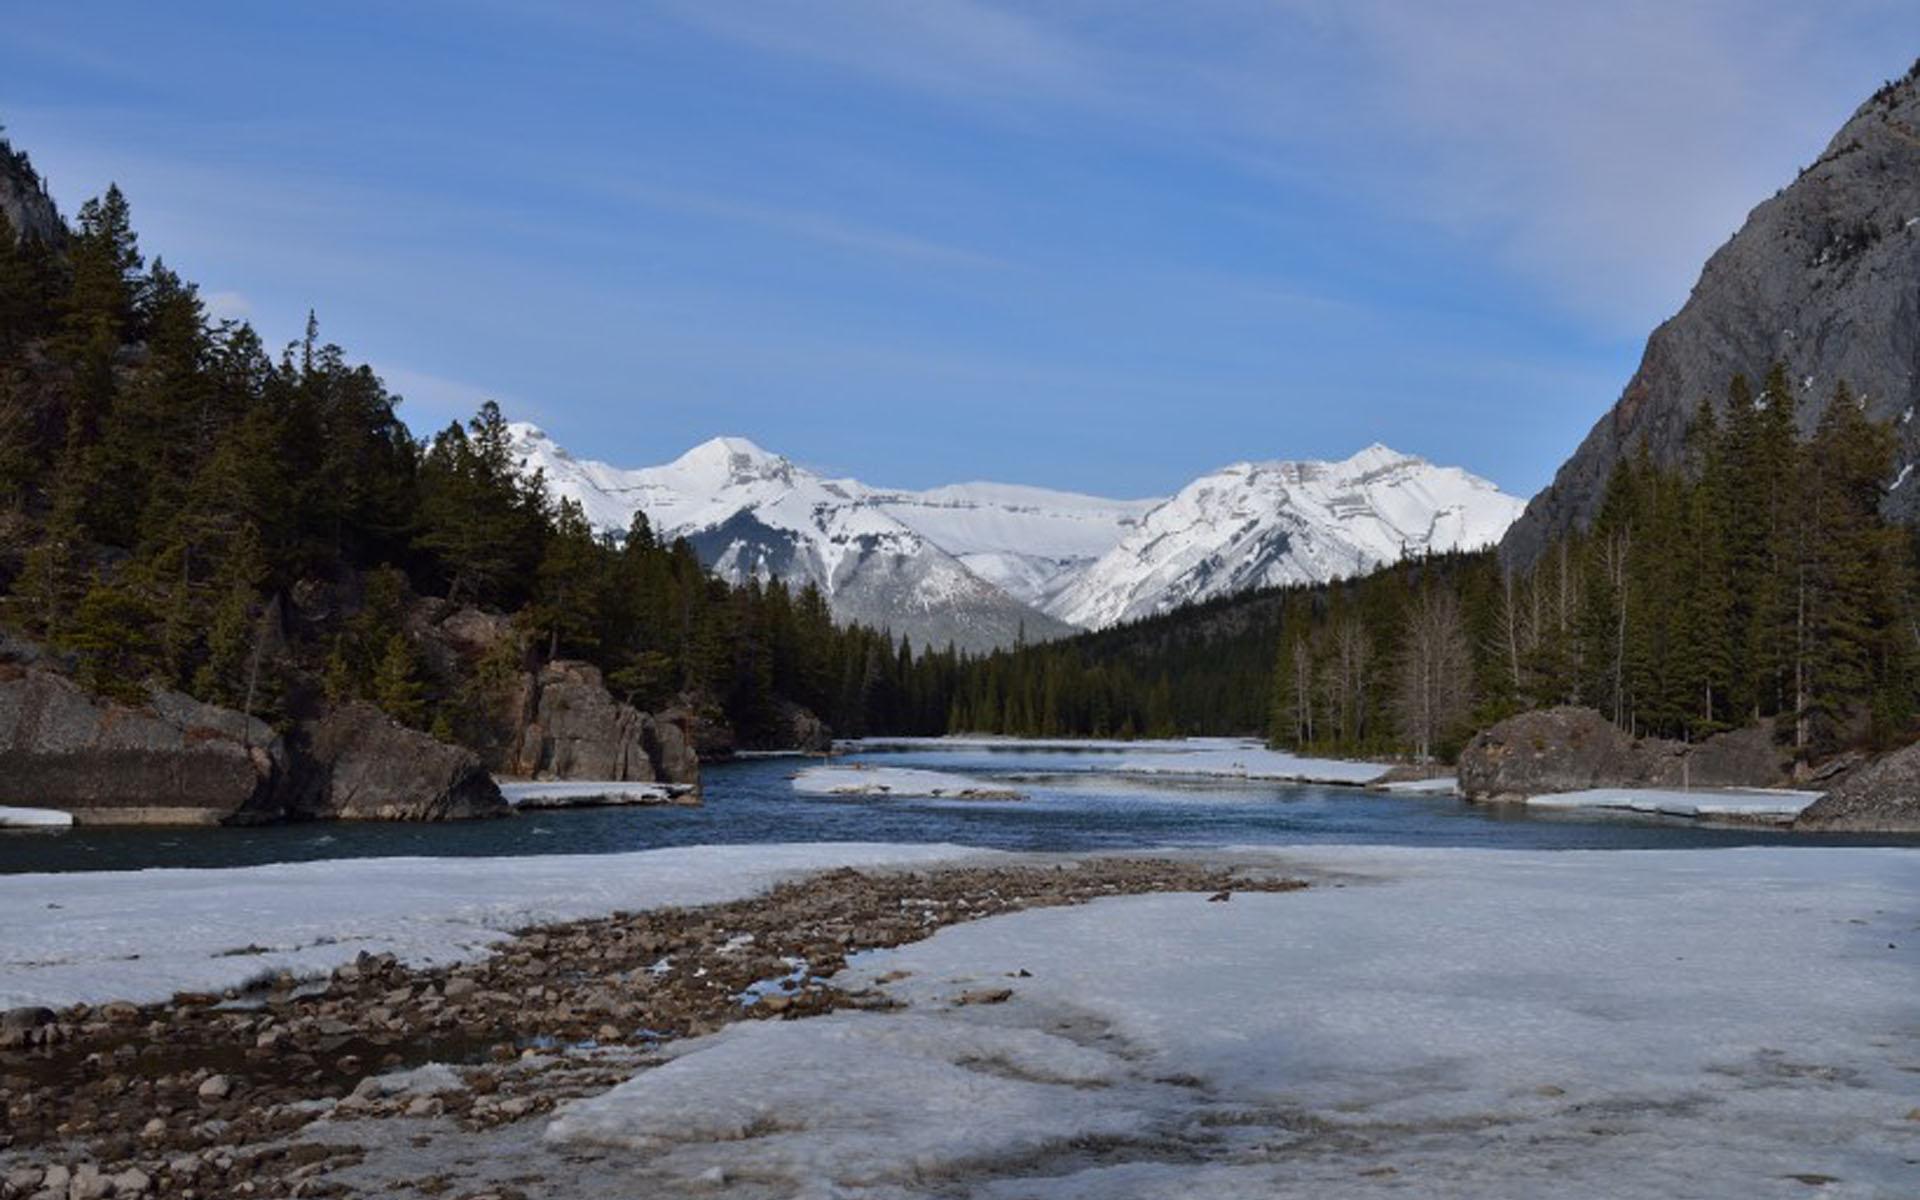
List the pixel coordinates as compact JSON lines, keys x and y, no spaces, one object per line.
{"x":1738,"y":1023}
{"x":906,"y":782}
{"x":144,"y":935}
{"x":1422,"y":1022}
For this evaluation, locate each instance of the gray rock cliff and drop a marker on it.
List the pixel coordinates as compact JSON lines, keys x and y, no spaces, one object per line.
{"x":1823,"y":277}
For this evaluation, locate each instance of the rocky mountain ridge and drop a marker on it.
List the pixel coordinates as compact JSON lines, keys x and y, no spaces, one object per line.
{"x":1824,"y":277}
{"x":982,"y":564}
{"x":1269,"y":524}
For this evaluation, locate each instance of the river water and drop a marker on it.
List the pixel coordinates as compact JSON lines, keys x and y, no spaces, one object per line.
{"x":1071,"y":804}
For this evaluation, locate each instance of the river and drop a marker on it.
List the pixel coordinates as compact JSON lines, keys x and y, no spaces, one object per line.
{"x":1071,"y":804}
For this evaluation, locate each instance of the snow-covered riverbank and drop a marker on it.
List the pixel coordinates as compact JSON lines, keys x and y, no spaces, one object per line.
{"x":144,"y":935}
{"x":1448,"y":1023}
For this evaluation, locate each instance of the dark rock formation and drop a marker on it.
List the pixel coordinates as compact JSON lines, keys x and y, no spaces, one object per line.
{"x":797,"y":728}
{"x":1880,"y":797}
{"x":174,"y":761}
{"x":571,"y":727}
{"x":357,"y":764}
{"x":1824,"y":277}
{"x":1572,"y":749}
{"x":577,"y":730}
{"x":24,"y":200}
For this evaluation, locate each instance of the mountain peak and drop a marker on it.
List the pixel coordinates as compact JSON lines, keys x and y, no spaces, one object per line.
{"x":733,"y":460}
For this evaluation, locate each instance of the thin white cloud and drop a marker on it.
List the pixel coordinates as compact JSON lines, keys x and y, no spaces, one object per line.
{"x":813,"y":226}
{"x":1598,"y":150}
{"x":432,"y":401}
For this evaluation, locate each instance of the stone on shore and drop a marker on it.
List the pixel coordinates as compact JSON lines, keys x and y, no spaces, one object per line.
{"x":357,"y":763}
{"x":1881,"y":797}
{"x":1570,"y":749}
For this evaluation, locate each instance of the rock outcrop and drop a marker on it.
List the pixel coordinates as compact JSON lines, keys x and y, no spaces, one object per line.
{"x":1571,"y":749}
{"x":572,"y":728}
{"x":1824,"y":277}
{"x":173,"y":761}
{"x":24,"y":199}
{"x":358,"y":764}
{"x":796,"y":727}
{"x":1881,"y":797}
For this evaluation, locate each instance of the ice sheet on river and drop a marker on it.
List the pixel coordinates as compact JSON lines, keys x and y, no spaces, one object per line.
{"x":1223,"y":758}
{"x":1774,"y":805}
{"x":863,"y":780}
{"x":144,"y":935}
{"x":1451,"y":1023}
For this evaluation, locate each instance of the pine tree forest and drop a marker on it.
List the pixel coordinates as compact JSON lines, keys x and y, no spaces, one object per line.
{"x":180,"y":506}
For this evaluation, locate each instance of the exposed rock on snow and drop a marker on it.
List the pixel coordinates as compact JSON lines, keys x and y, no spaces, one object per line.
{"x":1574,"y":749}
{"x":1264,"y":524}
{"x":145,"y":935}
{"x":895,"y":781}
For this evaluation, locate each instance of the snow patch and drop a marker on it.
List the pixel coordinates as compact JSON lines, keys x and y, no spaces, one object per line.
{"x":144,"y":935}
{"x":1769,"y":804}
{"x":894,"y":781}
{"x":34,"y":818}
{"x":585,"y":793}
{"x":1458,"y":1023}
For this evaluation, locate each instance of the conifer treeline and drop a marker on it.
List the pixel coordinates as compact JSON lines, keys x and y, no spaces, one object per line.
{"x":173,"y":496}
{"x":179,"y":507}
{"x":1756,"y":582}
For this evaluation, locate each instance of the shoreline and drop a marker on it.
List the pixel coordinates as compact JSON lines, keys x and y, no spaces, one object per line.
{"x":174,"y":1090}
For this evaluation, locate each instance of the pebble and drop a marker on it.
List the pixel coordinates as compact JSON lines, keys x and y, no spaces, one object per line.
{"x":216,"y":1087}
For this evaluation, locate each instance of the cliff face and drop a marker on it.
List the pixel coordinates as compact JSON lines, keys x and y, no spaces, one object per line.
{"x":28,"y":207}
{"x":1824,"y":277}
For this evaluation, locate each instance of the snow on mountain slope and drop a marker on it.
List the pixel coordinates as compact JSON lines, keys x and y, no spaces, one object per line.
{"x":1030,"y":542}
{"x":750,"y":513}
{"x":1263,"y":524}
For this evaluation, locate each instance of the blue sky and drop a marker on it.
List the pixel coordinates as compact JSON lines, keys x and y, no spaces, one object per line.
{"x":1103,"y":246}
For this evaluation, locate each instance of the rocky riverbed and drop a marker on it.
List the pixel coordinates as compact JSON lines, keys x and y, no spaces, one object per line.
{"x":283,"y":1090}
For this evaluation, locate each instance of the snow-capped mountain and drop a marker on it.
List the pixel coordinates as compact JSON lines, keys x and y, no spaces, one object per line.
{"x":1263,"y":524}
{"x":979,"y":563}
{"x":970,"y":564}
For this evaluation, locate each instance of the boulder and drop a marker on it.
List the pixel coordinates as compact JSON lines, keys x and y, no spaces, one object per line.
{"x":797,"y":728}
{"x":577,"y":730}
{"x":1570,"y":749}
{"x":1550,"y":750}
{"x":356,"y":763}
{"x":674,"y":754}
{"x":1881,"y":797}
{"x":174,"y":760}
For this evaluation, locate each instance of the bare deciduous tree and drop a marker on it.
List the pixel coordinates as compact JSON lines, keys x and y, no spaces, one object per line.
{"x":1436,"y":670}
